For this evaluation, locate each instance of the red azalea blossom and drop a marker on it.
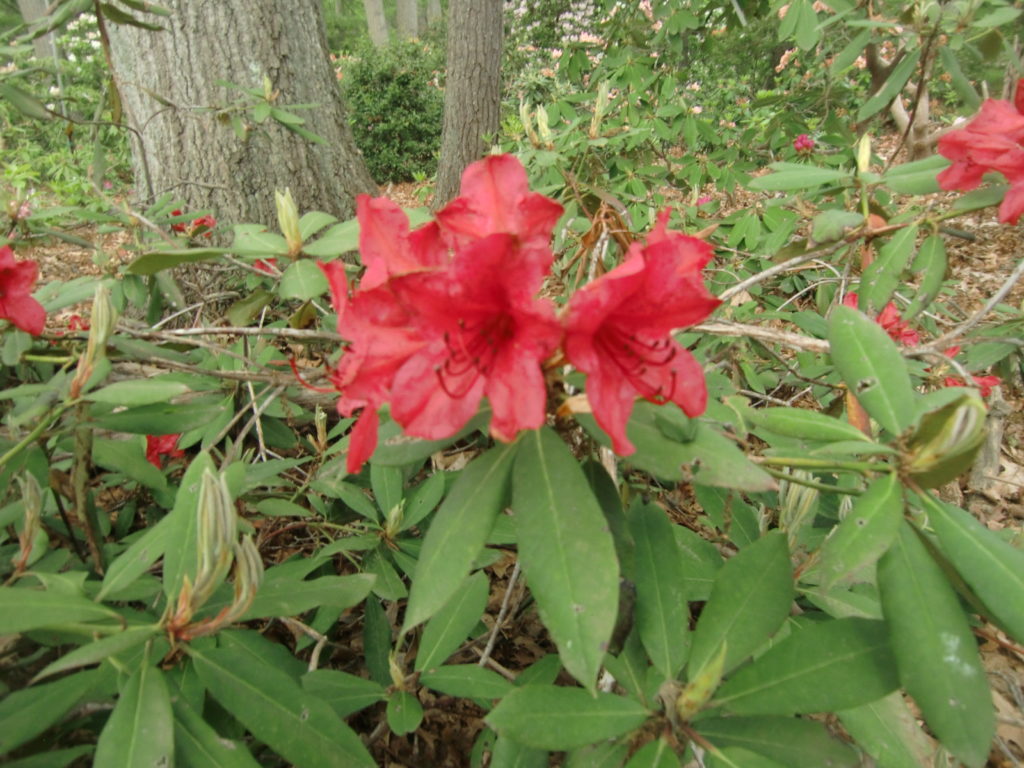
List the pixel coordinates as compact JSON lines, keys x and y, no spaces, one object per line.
{"x":16,"y":302}
{"x":803,"y":144}
{"x":992,"y":141}
{"x":985,"y":384}
{"x":889,"y":318}
{"x":76,"y":323}
{"x":202,"y":226}
{"x":266,"y":265}
{"x":178,"y":226}
{"x":618,"y":330}
{"x":162,"y":445}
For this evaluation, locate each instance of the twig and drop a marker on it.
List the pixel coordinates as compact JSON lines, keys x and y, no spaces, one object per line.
{"x":502,"y":612}
{"x":786,"y":338}
{"x":321,"y":639}
{"x":285,"y":333}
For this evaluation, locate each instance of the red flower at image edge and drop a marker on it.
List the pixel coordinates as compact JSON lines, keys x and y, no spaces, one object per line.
{"x":158,"y":446}
{"x":889,"y":318}
{"x":16,"y":302}
{"x":985,"y":384}
{"x":992,"y":141}
{"x":618,"y":330}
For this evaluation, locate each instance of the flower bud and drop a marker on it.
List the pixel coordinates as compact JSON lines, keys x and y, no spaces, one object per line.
{"x":600,"y":105}
{"x":543,"y":128}
{"x":697,"y":692}
{"x":288,"y":220}
{"x":864,"y":154}
{"x":104,"y":318}
{"x":527,"y":120}
{"x":946,"y":441}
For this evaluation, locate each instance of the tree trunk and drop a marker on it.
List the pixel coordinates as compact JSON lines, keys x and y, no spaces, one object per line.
{"x":472,"y":97}
{"x":433,"y":11}
{"x":30,"y":11}
{"x":408,"y":19}
{"x":171,"y":86}
{"x":376,"y":22}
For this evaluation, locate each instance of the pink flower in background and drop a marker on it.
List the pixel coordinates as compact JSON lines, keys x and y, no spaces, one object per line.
{"x":992,"y":141}
{"x":985,"y":384}
{"x":803,"y":144}
{"x":889,"y":318}
{"x":16,"y":302}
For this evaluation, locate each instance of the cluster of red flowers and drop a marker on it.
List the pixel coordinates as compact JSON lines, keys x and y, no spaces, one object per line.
{"x":16,"y":303}
{"x":992,"y":141}
{"x":889,"y":318}
{"x":803,"y":144}
{"x":158,"y":446}
{"x":449,"y":313}
{"x":984,"y":384}
{"x":201,"y":226}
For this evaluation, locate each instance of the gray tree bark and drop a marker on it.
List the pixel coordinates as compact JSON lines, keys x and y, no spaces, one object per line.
{"x":472,"y":97}
{"x":171,"y":87}
{"x":408,"y":18}
{"x":376,"y":22}
{"x":433,"y":11}
{"x":30,"y":11}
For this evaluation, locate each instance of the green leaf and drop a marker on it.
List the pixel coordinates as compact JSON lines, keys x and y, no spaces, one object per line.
{"x":888,"y":731}
{"x":294,"y":723}
{"x":864,"y":535}
{"x":468,"y":681}
{"x":751,"y":598}
{"x":245,"y":310}
{"x":140,"y":731}
{"x":566,"y":552}
{"x":872,"y":367}
{"x":662,"y":614}
{"x":654,"y":754}
{"x":792,"y":177}
{"x":791,"y":742}
{"x":341,"y":238}
{"x":137,"y":559}
{"x":22,"y":610}
{"x":853,"y":50}
{"x":58,"y":758}
{"x":820,"y":667}
{"x":183,"y":522}
{"x":398,"y":449}
{"x":313,"y":222}
{"x":931,"y":264}
{"x":935,"y":649}
{"x":992,"y":568}
{"x":128,"y":458}
{"x":985,"y":197}
{"x":551,"y":717}
{"x":281,"y":508}
{"x":885,"y":273}
{"x":290,"y":597}
{"x":830,"y":226}
{"x":24,"y":102}
{"x":458,"y":533}
{"x":198,"y":745}
{"x":916,"y":178}
{"x":30,"y":711}
{"x":450,"y":626}
{"x":345,"y":693}
{"x":891,"y":87}
{"x":404,"y":712}
{"x":255,"y":240}
{"x":158,"y":419}
{"x":511,"y":754}
{"x":138,"y":392}
{"x":302,"y":280}
{"x":968,"y":95}
{"x":99,"y":650}
{"x":151,"y":262}
{"x":804,"y":424}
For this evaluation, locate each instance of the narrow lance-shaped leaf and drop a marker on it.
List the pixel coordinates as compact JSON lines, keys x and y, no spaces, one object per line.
{"x":888,"y":731}
{"x":935,"y":649}
{"x":566,"y":552}
{"x":140,"y":731}
{"x":789,"y":741}
{"x":450,"y":626}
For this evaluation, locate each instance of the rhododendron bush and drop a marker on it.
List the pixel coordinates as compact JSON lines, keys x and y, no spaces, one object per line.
{"x":607,"y":478}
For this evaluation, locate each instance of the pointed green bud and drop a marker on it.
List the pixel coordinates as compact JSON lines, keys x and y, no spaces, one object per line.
{"x":288,"y":220}
{"x":527,"y":120}
{"x":697,"y":692}
{"x":946,"y":441}
{"x":864,"y":154}
{"x":543,"y":128}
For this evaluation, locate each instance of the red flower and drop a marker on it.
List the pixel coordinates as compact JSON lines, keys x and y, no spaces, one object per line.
{"x":992,"y":141}
{"x":618,"y":330}
{"x":163,"y":445}
{"x":178,"y":226}
{"x":202,"y":226}
{"x":803,"y":144}
{"x":983,"y":383}
{"x":889,"y":318}
{"x":76,"y":323}
{"x":266,"y":265}
{"x":16,"y":302}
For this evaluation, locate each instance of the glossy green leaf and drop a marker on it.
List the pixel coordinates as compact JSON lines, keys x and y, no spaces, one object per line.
{"x":511,"y":754}
{"x":28,"y":712}
{"x":829,"y":226}
{"x":458,"y":533}
{"x":450,"y":626}
{"x":340,"y":238}
{"x":138,"y":392}
{"x":654,"y":754}
{"x":151,"y":262}
{"x":99,"y":650}
{"x":819,"y":667}
{"x":344,"y":692}
{"x":935,"y":649}
{"x":198,"y":745}
{"x":183,"y":522}
{"x":552,"y":717}
{"x":967,"y":93}
{"x":57,"y":758}
{"x":888,"y":731}
{"x":128,"y":458}
{"x":404,"y":712}
{"x":662,"y":615}
{"x":566,"y":552}
{"x":468,"y":681}
{"x":22,"y":610}
{"x":140,"y":731}
{"x":137,"y":559}
{"x":803,"y":424}
{"x":749,"y":601}
{"x":884,"y":275}
{"x":299,"y":726}
{"x":302,"y":280}
{"x":991,"y":567}
{"x":290,"y":598}
{"x":789,"y":178}
{"x":255,"y":240}
{"x":902,"y":72}
{"x":916,"y":178}
{"x":931,"y":264}
{"x":789,"y":741}
{"x":872,"y":367}
{"x":863,"y":536}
